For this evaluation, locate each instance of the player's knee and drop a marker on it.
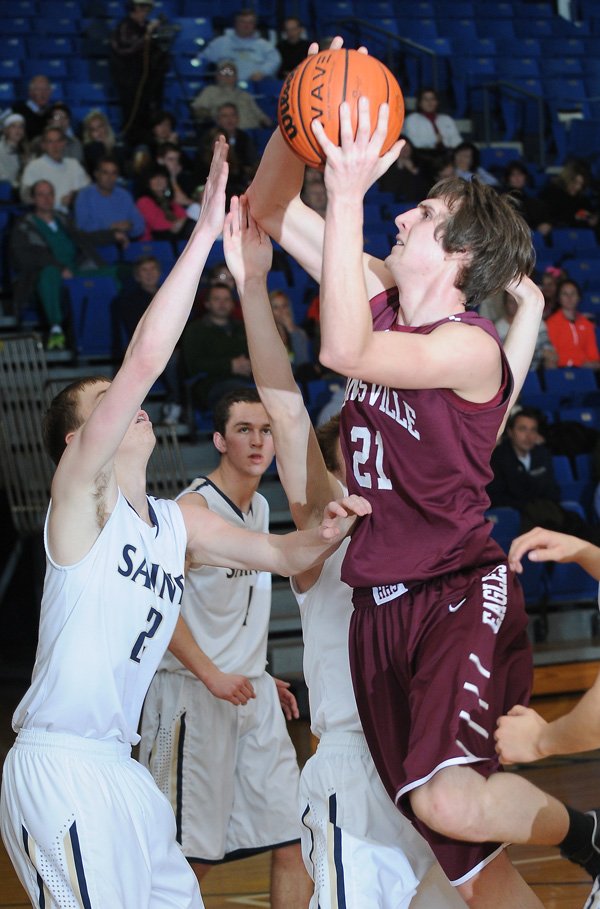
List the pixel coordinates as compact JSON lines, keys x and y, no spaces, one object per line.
{"x":446,"y":809}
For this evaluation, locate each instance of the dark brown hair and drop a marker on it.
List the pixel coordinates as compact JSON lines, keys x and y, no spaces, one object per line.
{"x":327,"y":437}
{"x":222,"y":409}
{"x":489,"y":227}
{"x":62,"y":416}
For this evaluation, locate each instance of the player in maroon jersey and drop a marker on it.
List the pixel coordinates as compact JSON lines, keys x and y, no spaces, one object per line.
{"x":439,"y":640}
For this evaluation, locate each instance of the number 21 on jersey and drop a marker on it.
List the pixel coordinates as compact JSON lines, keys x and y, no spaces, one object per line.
{"x":367,"y":459}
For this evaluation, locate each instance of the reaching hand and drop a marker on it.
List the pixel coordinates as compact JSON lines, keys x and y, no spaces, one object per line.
{"x":355,"y":165}
{"x":339,"y":516}
{"x":288,"y":702}
{"x":248,"y":250}
{"x":544,"y":546}
{"x":228,"y":686}
{"x":523,"y":290}
{"x":517,"y":735}
{"x":212,"y":212}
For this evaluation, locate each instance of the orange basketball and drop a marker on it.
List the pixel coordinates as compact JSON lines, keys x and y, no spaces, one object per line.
{"x":317,"y":87}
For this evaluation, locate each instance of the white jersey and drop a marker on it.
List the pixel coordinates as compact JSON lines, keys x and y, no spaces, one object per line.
{"x":105,"y":623}
{"x":325,"y":611}
{"x":228,"y":609}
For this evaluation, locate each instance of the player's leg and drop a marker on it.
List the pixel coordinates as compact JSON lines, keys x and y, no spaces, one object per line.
{"x":265,"y":806}
{"x":291,"y":887}
{"x":498,"y":886}
{"x":189,"y":740}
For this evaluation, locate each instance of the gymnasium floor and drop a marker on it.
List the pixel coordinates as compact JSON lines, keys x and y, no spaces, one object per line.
{"x":558,"y":884}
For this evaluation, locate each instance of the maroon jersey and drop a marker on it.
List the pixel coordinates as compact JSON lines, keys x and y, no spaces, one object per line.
{"x":422,"y":458}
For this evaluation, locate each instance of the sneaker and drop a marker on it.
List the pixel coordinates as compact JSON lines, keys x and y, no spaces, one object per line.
{"x":171,"y":414}
{"x":589,"y":857}
{"x":593,"y":900}
{"x":56,"y":341}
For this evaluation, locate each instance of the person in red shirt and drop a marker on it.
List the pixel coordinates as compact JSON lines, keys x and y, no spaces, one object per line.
{"x":573,"y":336}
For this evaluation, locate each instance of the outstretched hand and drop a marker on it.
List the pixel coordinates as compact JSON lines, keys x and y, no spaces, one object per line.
{"x":248,"y":250}
{"x":339,"y":517}
{"x":356,"y":164}
{"x":544,"y":546}
{"x":212,"y":211}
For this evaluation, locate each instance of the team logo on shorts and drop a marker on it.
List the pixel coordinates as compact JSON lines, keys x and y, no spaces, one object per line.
{"x":494,"y":593}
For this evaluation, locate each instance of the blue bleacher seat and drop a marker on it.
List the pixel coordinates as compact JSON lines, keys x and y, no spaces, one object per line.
{"x":12,"y":46}
{"x":10,"y":68}
{"x":7,"y":92}
{"x":518,"y":47}
{"x":50,"y":46}
{"x":573,"y":384}
{"x":587,"y":416}
{"x":495,"y":9}
{"x":532,"y":394}
{"x":18,"y":25}
{"x":54,"y":25}
{"x":506,"y":525}
{"x":574,"y":241}
{"x":92,"y":93}
{"x":91,"y":313}
{"x":162,"y":249}
{"x":531,"y":10}
{"x":534,"y":28}
{"x":561,"y":66}
{"x":189,"y":66}
{"x":472,"y":46}
{"x":463,"y":29}
{"x":495,"y":28}
{"x":585,"y":271}
{"x":53,"y":67}
{"x":517,"y":67}
{"x":8,"y":8}
{"x":568,"y":583}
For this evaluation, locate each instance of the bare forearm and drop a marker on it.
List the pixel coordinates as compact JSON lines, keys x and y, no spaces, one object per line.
{"x":578,"y":730}
{"x":186,"y":650}
{"x":277,"y":181}
{"x":521,"y":339}
{"x":345,"y":314}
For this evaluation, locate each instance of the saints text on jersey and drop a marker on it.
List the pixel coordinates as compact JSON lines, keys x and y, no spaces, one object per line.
{"x":151,"y":575}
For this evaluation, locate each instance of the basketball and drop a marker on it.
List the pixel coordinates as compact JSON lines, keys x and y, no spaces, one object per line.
{"x":317,"y":87}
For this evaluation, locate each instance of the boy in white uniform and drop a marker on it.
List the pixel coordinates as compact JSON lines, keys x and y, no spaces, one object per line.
{"x":230,"y":772}
{"x":357,"y":847}
{"x":84,"y":824}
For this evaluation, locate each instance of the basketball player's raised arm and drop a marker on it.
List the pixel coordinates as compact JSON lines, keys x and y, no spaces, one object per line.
{"x":463,"y":358}
{"x":92,"y":447}
{"x":213,"y":541}
{"x":275,"y":203}
{"x":302,"y":471}
{"x":519,"y":344}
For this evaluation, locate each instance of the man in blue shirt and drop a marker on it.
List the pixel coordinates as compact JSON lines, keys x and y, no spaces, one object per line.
{"x":104,"y":206}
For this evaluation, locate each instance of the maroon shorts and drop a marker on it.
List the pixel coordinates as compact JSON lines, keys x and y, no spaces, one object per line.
{"x":433,"y":669}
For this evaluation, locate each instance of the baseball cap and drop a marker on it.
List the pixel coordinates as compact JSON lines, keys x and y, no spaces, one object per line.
{"x":13,"y":118}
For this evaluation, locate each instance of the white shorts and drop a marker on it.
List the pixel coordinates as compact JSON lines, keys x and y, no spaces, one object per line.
{"x":229,"y":772}
{"x":359,"y":850}
{"x":85,"y":826}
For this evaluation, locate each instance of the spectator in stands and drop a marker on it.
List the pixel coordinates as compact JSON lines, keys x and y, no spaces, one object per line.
{"x":128,"y":307}
{"x":163,"y":217}
{"x":517,"y":182}
{"x":45,"y":249}
{"x":255,"y":57}
{"x":524,"y":479}
{"x":314,"y":193}
{"x":66,"y":174}
{"x":13,"y":149}
{"x":566,"y":197}
{"x":431,"y":133}
{"x":544,"y":354}
{"x":162,"y":128}
{"x":548,"y":284}
{"x":466,"y":159}
{"x":99,"y":140}
{"x":573,"y":336}
{"x":139,"y":65}
{"x":170,"y":156}
{"x":103,"y":206}
{"x":294,"y":338}
{"x":226,"y":90}
{"x":242,"y":158}
{"x":34,"y":110}
{"x":215,"y":346}
{"x":292,"y":46}
{"x":59,"y":114}
{"x":405,"y":178}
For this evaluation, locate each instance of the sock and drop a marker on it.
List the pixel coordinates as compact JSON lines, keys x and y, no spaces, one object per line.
{"x":578,"y":840}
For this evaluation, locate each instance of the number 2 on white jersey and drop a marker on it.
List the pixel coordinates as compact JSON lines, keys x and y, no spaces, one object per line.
{"x":360,"y":458}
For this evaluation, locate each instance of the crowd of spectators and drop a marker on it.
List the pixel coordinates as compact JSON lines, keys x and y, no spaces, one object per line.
{"x":90,"y":189}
